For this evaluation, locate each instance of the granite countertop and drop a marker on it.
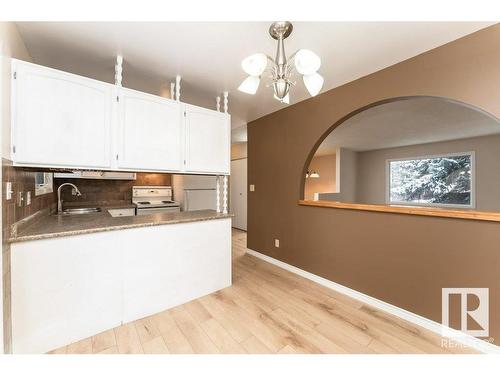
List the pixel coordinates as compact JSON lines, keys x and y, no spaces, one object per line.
{"x":51,"y":226}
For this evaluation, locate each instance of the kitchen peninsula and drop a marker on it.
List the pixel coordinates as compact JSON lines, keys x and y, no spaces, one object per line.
{"x":75,"y":276}
{"x":90,"y":268}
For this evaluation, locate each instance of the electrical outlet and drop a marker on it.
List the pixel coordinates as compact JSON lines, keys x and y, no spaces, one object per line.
{"x":28,"y":198}
{"x":276,"y":242}
{"x":8,"y":191}
{"x":73,"y":191}
{"x":252,"y":187}
{"x":20,"y":198}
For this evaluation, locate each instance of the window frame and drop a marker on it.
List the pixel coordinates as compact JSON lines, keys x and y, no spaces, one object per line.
{"x":471,"y":205}
{"x":47,"y":187}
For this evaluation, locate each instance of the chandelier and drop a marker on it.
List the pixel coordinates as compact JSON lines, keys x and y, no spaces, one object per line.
{"x":281,"y":69}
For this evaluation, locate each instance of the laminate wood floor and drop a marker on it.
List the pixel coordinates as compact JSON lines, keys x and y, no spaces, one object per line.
{"x":266,"y":310}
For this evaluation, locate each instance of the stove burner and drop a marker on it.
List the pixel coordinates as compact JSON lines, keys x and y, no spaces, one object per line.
{"x":167,"y":201}
{"x":144,"y":202}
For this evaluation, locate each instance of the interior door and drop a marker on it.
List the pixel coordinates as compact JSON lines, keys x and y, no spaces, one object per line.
{"x":238,"y":186}
{"x":149,"y":132}
{"x":59,"y":119}
{"x":208,"y":140}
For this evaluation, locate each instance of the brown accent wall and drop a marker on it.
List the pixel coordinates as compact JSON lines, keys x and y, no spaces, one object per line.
{"x":109,"y":191}
{"x":401,"y":259}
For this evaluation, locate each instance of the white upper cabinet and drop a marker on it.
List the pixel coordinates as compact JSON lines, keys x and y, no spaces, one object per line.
{"x":149,"y":132}
{"x":208,"y":140}
{"x":59,"y":119}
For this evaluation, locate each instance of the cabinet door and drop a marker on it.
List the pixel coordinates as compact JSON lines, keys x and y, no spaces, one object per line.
{"x":64,"y":290}
{"x":149,"y":132}
{"x":59,"y":119}
{"x":208,"y":143}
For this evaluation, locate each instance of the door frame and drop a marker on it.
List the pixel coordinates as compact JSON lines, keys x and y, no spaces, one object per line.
{"x":231,"y":195}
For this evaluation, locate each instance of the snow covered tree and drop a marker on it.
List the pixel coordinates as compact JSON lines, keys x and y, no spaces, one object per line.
{"x":442,"y":180}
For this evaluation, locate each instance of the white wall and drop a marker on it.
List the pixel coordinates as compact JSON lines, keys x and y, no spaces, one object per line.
{"x":11,"y":45}
{"x":371,"y":168}
{"x":363,"y":174}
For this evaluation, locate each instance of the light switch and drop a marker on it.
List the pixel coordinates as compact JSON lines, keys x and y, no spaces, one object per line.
{"x":8,"y":190}
{"x":28,"y":198}
{"x":276,"y":243}
{"x":252,"y":187}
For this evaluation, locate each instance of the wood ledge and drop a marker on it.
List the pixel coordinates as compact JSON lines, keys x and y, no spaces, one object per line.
{"x":408,"y":210}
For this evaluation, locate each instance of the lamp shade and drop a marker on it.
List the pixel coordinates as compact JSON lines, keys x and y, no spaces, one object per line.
{"x":314,"y":83}
{"x":307,"y":62}
{"x":250,"y":85}
{"x":255,"y":64}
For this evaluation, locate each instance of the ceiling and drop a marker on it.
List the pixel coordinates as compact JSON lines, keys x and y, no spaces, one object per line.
{"x":208,"y":55}
{"x":409,"y":122}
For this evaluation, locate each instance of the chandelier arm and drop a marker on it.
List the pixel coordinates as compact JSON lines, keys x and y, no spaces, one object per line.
{"x":292,"y":56}
{"x":271,"y":59}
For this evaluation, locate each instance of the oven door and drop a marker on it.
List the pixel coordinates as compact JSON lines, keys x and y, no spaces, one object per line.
{"x":156,"y":210}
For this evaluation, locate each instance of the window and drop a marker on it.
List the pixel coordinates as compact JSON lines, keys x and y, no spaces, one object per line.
{"x":43,"y":183}
{"x":443,"y":180}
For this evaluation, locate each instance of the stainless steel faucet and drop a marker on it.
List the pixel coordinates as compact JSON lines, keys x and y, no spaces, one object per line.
{"x":59,"y":201}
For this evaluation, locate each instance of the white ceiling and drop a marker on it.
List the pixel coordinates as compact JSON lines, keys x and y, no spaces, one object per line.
{"x":408,"y":122}
{"x":208,"y":55}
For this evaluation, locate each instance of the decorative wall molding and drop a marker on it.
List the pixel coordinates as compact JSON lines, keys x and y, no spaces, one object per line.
{"x":431,"y":325}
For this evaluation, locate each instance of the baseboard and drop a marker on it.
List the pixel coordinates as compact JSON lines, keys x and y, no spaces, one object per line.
{"x":460,"y":337}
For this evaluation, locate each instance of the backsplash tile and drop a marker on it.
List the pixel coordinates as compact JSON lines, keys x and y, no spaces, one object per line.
{"x":109,"y":191}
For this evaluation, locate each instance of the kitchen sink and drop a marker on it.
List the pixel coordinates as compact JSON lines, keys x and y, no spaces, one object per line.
{"x":79,"y":211}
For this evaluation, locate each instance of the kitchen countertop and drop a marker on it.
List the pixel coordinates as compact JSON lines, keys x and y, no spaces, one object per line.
{"x":51,"y":226}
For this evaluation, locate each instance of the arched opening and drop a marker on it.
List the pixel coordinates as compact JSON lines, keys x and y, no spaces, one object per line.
{"x":411,"y":151}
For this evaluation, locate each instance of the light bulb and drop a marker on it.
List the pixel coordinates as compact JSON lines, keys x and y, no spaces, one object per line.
{"x":250,"y":85}
{"x":255,"y":64}
{"x":307,"y":62}
{"x":285,"y":100}
{"x":314,"y":83}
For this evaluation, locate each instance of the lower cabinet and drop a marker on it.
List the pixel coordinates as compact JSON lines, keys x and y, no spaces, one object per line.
{"x":68,"y":288}
{"x":63,"y":290}
{"x":175,"y":264}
